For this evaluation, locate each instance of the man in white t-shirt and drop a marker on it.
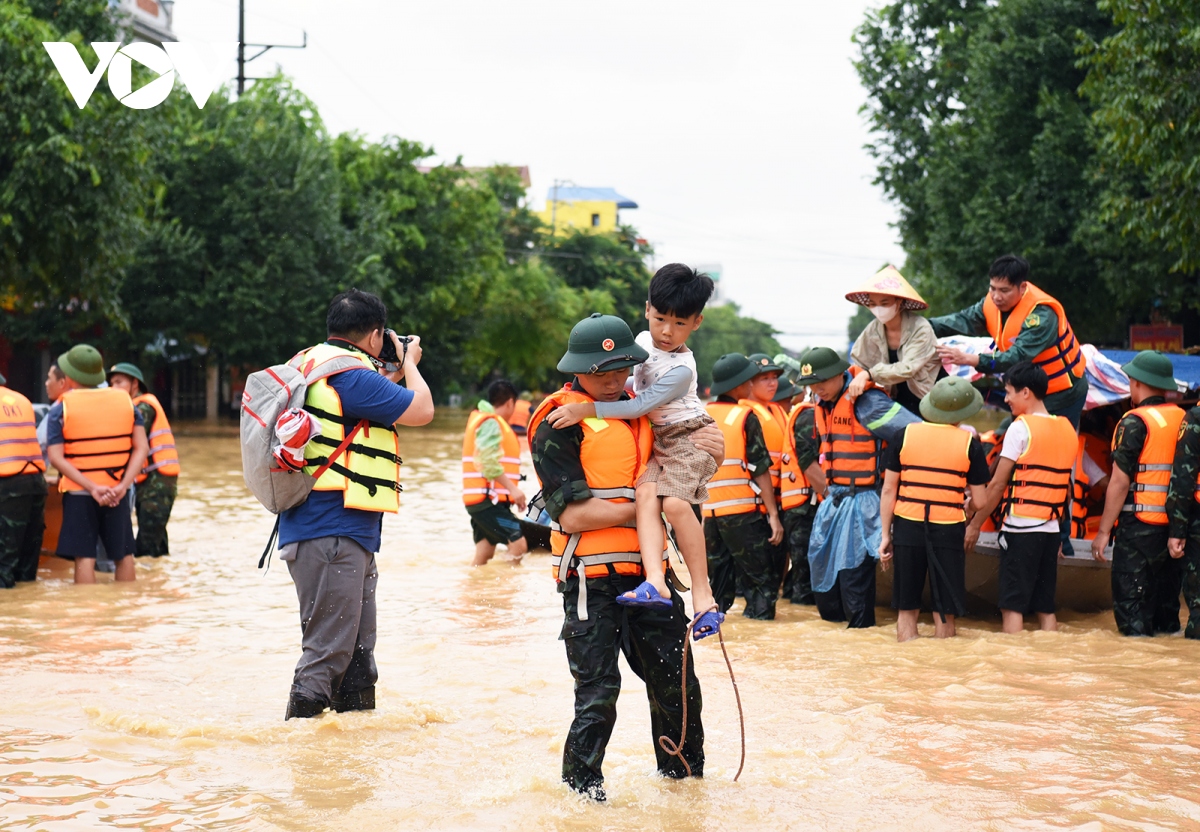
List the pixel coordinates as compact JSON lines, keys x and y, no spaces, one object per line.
{"x":1033,"y":479}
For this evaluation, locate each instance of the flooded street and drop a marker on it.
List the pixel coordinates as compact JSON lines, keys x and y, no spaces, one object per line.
{"x":159,"y":705}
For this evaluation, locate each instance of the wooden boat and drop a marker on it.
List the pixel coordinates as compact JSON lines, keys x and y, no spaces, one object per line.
{"x":1084,"y":584}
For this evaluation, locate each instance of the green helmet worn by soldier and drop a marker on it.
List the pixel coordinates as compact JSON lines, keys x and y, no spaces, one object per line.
{"x":600,"y":343}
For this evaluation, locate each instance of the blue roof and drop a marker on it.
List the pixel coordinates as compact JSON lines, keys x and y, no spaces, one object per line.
{"x":574,"y":194}
{"x":1187,"y":367}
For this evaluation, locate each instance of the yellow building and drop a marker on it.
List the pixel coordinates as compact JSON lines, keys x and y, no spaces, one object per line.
{"x":584,"y":209}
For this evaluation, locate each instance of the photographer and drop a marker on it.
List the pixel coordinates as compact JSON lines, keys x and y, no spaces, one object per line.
{"x":330,"y":540}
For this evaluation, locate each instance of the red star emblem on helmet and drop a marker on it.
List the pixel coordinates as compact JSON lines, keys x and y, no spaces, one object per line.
{"x":609,"y":345}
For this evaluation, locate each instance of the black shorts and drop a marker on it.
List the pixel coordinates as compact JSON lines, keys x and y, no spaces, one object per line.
{"x":947,"y":573}
{"x":85,"y":522}
{"x":1028,"y":571}
{"x":496,"y":524}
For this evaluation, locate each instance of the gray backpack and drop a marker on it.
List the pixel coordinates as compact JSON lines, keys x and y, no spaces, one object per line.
{"x":269,"y":393}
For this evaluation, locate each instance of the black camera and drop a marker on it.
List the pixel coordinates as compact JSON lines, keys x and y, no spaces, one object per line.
{"x":388,"y":353}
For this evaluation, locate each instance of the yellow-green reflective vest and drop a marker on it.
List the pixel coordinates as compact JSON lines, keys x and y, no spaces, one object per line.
{"x":368,"y":471}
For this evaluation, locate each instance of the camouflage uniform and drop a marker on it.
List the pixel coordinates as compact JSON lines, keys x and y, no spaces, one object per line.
{"x":1183,"y":513}
{"x":1145,"y":578}
{"x":652,"y":641}
{"x":154,"y":499}
{"x":797,"y":522}
{"x":22,"y":521}
{"x":739,"y":545}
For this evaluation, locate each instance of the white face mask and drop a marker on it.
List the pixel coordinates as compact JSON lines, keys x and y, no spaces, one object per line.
{"x":884,"y":313}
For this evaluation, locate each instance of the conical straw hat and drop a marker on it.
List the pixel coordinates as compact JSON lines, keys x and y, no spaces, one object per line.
{"x":888,"y":281}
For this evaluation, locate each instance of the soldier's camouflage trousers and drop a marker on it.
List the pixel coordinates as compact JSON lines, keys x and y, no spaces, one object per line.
{"x":652,"y":641}
{"x":742,"y":541}
{"x":1191,"y":580}
{"x":155,"y":497}
{"x":22,"y":521}
{"x":797,"y":527}
{"x":1145,"y":580}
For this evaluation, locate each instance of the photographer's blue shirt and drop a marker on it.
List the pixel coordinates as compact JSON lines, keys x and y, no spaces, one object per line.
{"x":364,"y":395}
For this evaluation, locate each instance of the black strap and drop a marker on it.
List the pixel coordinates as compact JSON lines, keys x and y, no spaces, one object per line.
{"x":372,"y":484}
{"x":375,"y":453}
{"x":270,"y":543}
{"x":345,"y":421}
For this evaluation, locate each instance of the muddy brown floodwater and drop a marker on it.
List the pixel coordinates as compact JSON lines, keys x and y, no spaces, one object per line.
{"x":159,"y":705}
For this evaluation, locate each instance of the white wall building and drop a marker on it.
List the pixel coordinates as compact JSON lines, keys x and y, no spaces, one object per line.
{"x":146,"y":20}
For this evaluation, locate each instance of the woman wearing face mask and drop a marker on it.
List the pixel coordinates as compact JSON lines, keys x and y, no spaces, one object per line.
{"x":898,"y":349}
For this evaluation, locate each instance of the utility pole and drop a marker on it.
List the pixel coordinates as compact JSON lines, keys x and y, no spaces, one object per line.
{"x":262,"y":47}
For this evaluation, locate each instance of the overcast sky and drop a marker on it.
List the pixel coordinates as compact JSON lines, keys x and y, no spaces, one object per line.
{"x":735,"y":127}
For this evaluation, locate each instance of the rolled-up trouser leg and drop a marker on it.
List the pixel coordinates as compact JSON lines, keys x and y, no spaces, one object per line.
{"x":797,"y":526}
{"x":592,"y":650}
{"x":332,"y":577}
{"x":857,"y":587}
{"x":654,"y":648}
{"x":720,"y":564}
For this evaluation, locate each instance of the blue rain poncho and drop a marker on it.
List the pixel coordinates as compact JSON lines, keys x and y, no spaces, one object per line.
{"x":846,"y":529}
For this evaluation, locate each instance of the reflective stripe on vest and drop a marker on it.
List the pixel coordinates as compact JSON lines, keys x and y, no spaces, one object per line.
{"x":163,"y":458}
{"x":97,"y":435}
{"x":849,"y":452}
{"x":19,"y":449}
{"x":1062,"y":360}
{"x":1147,"y":497}
{"x":1041,"y":480}
{"x":732,"y":489}
{"x":476,"y":488}
{"x":368,"y":473}
{"x":772,"y":428}
{"x":934,"y":461}
{"x":613,"y":454}
{"x":795,"y":490}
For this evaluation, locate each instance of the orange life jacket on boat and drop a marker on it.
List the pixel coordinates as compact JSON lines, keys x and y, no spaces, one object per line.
{"x":934,"y":461}
{"x":1041,"y":480}
{"x":19,"y":449}
{"x":519,"y":420}
{"x":97,"y":435}
{"x":613,"y":455}
{"x":1063,"y":361}
{"x":1148,"y":488}
{"x":476,"y":488}
{"x":732,"y":489}
{"x":163,"y":457}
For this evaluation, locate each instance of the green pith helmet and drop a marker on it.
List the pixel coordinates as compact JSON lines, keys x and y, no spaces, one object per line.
{"x":82,"y":363}
{"x":600,"y":343}
{"x":731,"y":370}
{"x":951,"y":401}
{"x":821,"y":364}
{"x":127,"y":369}
{"x":787,"y":391}
{"x":1153,"y":368}
{"x":763,"y":363}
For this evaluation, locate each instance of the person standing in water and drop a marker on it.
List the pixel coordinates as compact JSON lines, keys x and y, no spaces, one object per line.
{"x":491,"y":469}
{"x":898,"y":349}
{"x":22,"y":489}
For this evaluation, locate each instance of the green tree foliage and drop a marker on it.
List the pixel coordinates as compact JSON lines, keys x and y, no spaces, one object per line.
{"x":985,"y":144}
{"x":614,"y":263}
{"x":73,"y":183}
{"x":724,"y":331}
{"x":1143,"y":80}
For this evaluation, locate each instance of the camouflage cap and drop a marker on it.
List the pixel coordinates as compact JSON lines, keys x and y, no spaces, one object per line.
{"x":821,"y":364}
{"x":600,"y":343}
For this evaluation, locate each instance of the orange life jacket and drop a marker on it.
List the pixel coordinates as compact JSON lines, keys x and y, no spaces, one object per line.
{"x":772,"y":428}
{"x":1041,"y":480}
{"x":795,"y":489}
{"x":613,"y":455}
{"x":1148,"y":489}
{"x":97,"y":435}
{"x":992,"y":444}
{"x":476,"y":488}
{"x":520,"y":416}
{"x":19,"y":449}
{"x":163,"y":457}
{"x":849,"y":452}
{"x":934,"y":462}
{"x":1079,"y":491}
{"x":732,"y":489}
{"x":1099,"y":450}
{"x":1062,"y":360}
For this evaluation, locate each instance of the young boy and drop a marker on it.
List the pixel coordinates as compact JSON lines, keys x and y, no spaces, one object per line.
{"x":674,"y":480}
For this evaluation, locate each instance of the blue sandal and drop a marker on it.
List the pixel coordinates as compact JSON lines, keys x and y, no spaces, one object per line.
{"x":707,"y":624}
{"x":644,"y":596}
